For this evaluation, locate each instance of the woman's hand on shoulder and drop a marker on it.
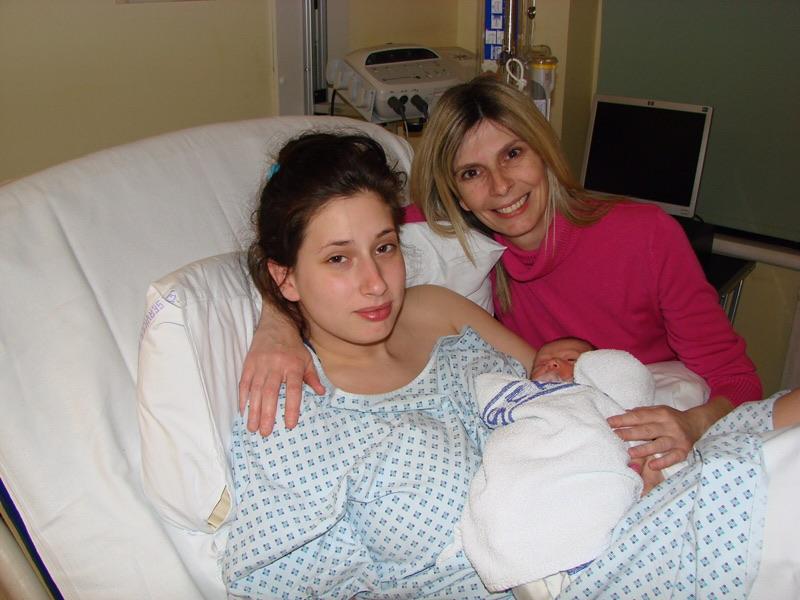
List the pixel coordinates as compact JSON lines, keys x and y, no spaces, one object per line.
{"x":276,"y":357}
{"x":666,"y":431}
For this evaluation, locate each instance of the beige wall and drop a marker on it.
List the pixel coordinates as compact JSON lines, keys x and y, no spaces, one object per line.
{"x":80,"y":75}
{"x":470,"y":20}
{"x":374,"y":22}
{"x":579,"y":78}
{"x":764,"y":319}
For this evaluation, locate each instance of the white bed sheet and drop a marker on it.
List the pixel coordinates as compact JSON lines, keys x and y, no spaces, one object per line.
{"x":779,"y":572}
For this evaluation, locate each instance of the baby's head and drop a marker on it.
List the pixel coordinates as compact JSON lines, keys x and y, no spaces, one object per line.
{"x":555,"y":361}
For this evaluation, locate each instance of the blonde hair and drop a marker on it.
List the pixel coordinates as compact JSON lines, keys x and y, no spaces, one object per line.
{"x":460,"y":109}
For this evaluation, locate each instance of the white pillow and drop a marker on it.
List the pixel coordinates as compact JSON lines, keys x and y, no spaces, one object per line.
{"x":197,"y":329}
{"x":431,"y":258}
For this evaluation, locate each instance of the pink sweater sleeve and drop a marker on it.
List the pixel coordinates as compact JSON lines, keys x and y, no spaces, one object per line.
{"x":697,"y":327}
{"x":412,"y":214}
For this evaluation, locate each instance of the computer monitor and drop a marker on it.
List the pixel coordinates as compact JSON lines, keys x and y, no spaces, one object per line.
{"x":647,"y":150}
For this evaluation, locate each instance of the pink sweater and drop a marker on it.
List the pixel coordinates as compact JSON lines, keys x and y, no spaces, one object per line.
{"x":630,"y":282}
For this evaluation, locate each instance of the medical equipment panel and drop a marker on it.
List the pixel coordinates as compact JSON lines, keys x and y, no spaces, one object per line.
{"x":393,"y":82}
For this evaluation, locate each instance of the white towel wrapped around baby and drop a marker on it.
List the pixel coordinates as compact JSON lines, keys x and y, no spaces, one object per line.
{"x":554,"y":481}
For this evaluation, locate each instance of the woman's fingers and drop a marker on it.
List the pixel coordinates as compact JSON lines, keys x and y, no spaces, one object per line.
{"x":641,"y":415}
{"x":662,"y":452}
{"x":245,"y":382}
{"x":658,"y":445}
{"x":276,"y":357}
{"x":258,"y":394}
{"x":264,"y":403}
{"x":260,"y":386}
{"x":664,"y":431}
{"x":636,"y":433}
{"x":294,"y":398}
{"x":668,"y":459}
{"x":293,"y":381}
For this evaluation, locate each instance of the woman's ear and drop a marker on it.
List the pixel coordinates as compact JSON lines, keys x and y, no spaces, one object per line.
{"x":284,"y":278}
{"x":464,"y":206}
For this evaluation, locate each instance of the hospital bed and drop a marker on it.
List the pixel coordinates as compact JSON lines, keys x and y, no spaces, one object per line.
{"x":80,"y":245}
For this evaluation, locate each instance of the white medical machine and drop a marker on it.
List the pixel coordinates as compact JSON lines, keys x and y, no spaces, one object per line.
{"x":396,"y":82}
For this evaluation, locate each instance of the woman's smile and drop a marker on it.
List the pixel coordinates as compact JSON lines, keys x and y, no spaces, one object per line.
{"x":510,"y":211}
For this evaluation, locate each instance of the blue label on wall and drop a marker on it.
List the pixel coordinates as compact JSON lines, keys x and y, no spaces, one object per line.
{"x":493,"y":29}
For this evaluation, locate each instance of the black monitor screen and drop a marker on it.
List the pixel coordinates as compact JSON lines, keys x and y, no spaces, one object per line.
{"x":647,"y":150}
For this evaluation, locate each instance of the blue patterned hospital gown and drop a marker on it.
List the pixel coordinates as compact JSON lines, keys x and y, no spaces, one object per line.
{"x":364,"y":494}
{"x":697,"y":535}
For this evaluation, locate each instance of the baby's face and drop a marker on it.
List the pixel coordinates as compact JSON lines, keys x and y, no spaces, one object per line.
{"x":556,"y":361}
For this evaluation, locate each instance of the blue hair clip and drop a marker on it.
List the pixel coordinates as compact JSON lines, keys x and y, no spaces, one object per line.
{"x":272,"y":170}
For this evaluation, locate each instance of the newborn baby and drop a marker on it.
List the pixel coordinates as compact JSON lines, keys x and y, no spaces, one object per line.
{"x":555,"y":361}
{"x":555,"y":479}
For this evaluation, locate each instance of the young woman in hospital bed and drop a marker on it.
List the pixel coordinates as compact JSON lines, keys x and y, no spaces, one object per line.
{"x":361,"y":497}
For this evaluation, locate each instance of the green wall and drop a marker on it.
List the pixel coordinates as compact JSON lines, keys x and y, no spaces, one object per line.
{"x":740,"y":57}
